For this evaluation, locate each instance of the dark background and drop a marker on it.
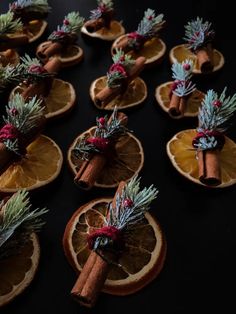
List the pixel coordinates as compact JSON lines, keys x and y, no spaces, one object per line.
{"x":199,"y":223}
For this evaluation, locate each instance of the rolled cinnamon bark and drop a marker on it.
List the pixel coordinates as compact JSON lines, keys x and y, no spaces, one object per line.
{"x":204,"y":57}
{"x":177,"y":105}
{"x":7,"y":157}
{"x":107,"y":94}
{"x":42,"y":88}
{"x":7,"y":42}
{"x":50,"y":48}
{"x":91,"y":169}
{"x":123,"y":44}
{"x":94,"y":273}
{"x":94,"y":25}
{"x":209,"y":167}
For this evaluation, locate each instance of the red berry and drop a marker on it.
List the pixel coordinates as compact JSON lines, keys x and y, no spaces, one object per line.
{"x":150,"y":17}
{"x":66,"y":22}
{"x":217,"y":103}
{"x":186,"y":66}
{"x":14,"y":111}
{"x":128,"y":202}
{"x":102,"y":121}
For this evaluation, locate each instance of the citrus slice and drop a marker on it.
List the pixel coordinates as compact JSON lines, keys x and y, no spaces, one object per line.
{"x":116,"y":29}
{"x":17,"y":271}
{"x":9,"y":56}
{"x":181,"y":52}
{"x":183,"y":158}
{"x":153,"y":50}
{"x":41,"y":165}
{"x":126,"y":164}
{"x":143,"y":256}
{"x":162,"y":95}
{"x":71,"y":55}
{"x":35,"y":29}
{"x":60,"y":100}
{"x":135,"y":94}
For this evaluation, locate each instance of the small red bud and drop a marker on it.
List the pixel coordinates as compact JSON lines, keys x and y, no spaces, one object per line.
{"x":128,"y":202}
{"x":102,"y":121}
{"x":66,"y":22}
{"x":217,"y":103}
{"x":186,"y":66}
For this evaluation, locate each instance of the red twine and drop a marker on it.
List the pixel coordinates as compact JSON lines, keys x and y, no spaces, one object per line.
{"x":8,"y":131}
{"x":107,"y":232}
{"x":117,"y":67}
{"x":100,"y":143}
{"x":136,"y":36}
{"x":218,"y":136}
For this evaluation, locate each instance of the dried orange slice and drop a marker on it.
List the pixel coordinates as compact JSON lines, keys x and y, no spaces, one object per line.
{"x":153,"y":50}
{"x":9,"y":56}
{"x":60,"y":100}
{"x":135,"y":94}
{"x":181,"y":52}
{"x":35,"y":29}
{"x":162,"y":95}
{"x":17,"y":271}
{"x":116,"y":29}
{"x":41,"y":165}
{"x":183,"y":157}
{"x":126,"y":164}
{"x":71,"y":55}
{"x":143,"y":256}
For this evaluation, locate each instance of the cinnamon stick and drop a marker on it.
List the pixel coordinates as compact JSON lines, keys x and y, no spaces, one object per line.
{"x":7,"y":42}
{"x":91,"y":169}
{"x":209,"y":167}
{"x":94,"y":25}
{"x":123,"y":44}
{"x":50,"y":48}
{"x":177,"y":105}
{"x":107,"y":94}
{"x":7,"y":157}
{"x":204,"y":57}
{"x":94,"y":273}
{"x":42,"y":88}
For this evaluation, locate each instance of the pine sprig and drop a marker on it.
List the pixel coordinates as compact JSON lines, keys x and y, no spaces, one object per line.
{"x":104,"y":6}
{"x":72,"y":24}
{"x":198,"y":33}
{"x":118,"y":71}
{"x":105,"y":134}
{"x":32,"y":70}
{"x":214,"y":115}
{"x":151,"y":24}
{"x":31,"y":5}
{"x":16,"y":215}
{"x":10,"y":75}
{"x":9,"y":25}
{"x":182,"y":73}
{"x":24,"y":116}
{"x":131,"y":205}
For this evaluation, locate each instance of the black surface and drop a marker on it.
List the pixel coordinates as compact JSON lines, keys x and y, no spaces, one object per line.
{"x":199,"y":223}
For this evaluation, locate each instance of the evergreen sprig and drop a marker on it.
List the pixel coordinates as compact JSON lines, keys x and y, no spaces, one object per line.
{"x":9,"y":25}
{"x":105,"y":132}
{"x":214,"y":115}
{"x":16,"y":216}
{"x":198,"y":33}
{"x":118,"y":71}
{"x":72,"y":24}
{"x":31,"y":5}
{"x":104,"y":6}
{"x":131,"y":205}
{"x":10,"y":75}
{"x":151,"y":24}
{"x":32,"y":70}
{"x":182,"y":73}
{"x":24,"y":116}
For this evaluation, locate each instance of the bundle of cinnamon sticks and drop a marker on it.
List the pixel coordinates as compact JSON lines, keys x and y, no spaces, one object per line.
{"x":94,"y":273}
{"x":107,"y":94}
{"x":91,"y":169}
{"x":94,"y":25}
{"x":209,"y":167}
{"x":205,"y":58}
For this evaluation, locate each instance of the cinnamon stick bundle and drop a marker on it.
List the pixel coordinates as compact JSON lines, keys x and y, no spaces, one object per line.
{"x":7,"y":157}
{"x":42,"y":88}
{"x":123,"y":44}
{"x":177,"y":105}
{"x":7,"y":42}
{"x":94,"y":273}
{"x":91,"y":169}
{"x":204,"y":57}
{"x":209,"y":167}
{"x":50,"y":48}
{"x":107,"y":94}
{"x":94,"y":25}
